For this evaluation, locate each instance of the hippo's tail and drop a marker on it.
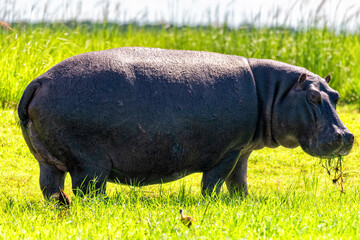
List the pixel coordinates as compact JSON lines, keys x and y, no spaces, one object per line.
{"x":25,"y":100}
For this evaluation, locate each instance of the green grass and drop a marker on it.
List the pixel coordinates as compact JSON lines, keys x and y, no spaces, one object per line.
{"x":33,"y":49}
{"x":291,"y":196}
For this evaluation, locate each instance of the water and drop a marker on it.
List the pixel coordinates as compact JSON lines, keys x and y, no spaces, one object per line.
{"x":334,"y":13}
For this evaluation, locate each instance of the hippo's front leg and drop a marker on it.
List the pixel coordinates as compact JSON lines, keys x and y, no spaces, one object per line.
{"x":237,"y":180}
{"x":215,"y":176}
{"x":51,"y":179}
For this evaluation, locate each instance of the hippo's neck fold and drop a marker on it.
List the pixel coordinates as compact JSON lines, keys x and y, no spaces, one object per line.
{"x":273,"y":81}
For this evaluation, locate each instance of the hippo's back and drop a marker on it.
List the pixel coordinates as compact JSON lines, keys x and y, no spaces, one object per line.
{"x":146,"y":109}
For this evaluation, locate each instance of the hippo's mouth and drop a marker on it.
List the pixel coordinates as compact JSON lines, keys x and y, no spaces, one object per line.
{"x":327,"y":149}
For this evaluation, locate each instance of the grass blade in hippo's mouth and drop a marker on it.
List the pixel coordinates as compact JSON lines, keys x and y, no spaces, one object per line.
{"x":335,"y":164}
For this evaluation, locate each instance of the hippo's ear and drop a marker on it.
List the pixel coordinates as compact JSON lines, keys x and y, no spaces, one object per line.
{"x":302,"y":79}
{"x":327,"y":78}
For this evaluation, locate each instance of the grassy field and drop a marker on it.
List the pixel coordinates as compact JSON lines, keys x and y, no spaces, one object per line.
{"x":291,"y":195}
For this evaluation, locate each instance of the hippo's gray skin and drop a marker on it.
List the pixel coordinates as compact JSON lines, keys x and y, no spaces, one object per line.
{"x":145,"y":116}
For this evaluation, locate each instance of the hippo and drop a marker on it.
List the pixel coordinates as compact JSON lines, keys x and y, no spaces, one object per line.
{"x":143,"y":116}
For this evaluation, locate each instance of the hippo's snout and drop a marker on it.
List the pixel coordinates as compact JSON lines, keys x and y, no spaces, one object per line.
{"x":343,"y":139}
{"x":348,"y":140}
{"x":339,"y":143}
{"x":346,"y":137}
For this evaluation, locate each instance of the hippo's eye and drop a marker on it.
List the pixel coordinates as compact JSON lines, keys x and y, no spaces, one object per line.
{"x":314,"y":97}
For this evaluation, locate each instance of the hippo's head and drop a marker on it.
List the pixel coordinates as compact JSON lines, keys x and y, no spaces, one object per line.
{"x":307,"y":117}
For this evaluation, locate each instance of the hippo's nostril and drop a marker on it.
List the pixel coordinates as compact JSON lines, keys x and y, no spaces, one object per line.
{"x":339,"y":136}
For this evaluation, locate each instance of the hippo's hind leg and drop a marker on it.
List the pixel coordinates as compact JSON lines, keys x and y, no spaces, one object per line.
{"x":237,"y":180}
{"x":51,"y":179}
{"x":89,"y":180}
{"x":214,"y":177}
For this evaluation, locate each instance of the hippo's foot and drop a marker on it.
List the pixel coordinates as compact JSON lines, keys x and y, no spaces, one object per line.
{"x":61,"y":198}
{"x":236,"y":182}
{"x":213,"y":178}
{"x":51,"y":179}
